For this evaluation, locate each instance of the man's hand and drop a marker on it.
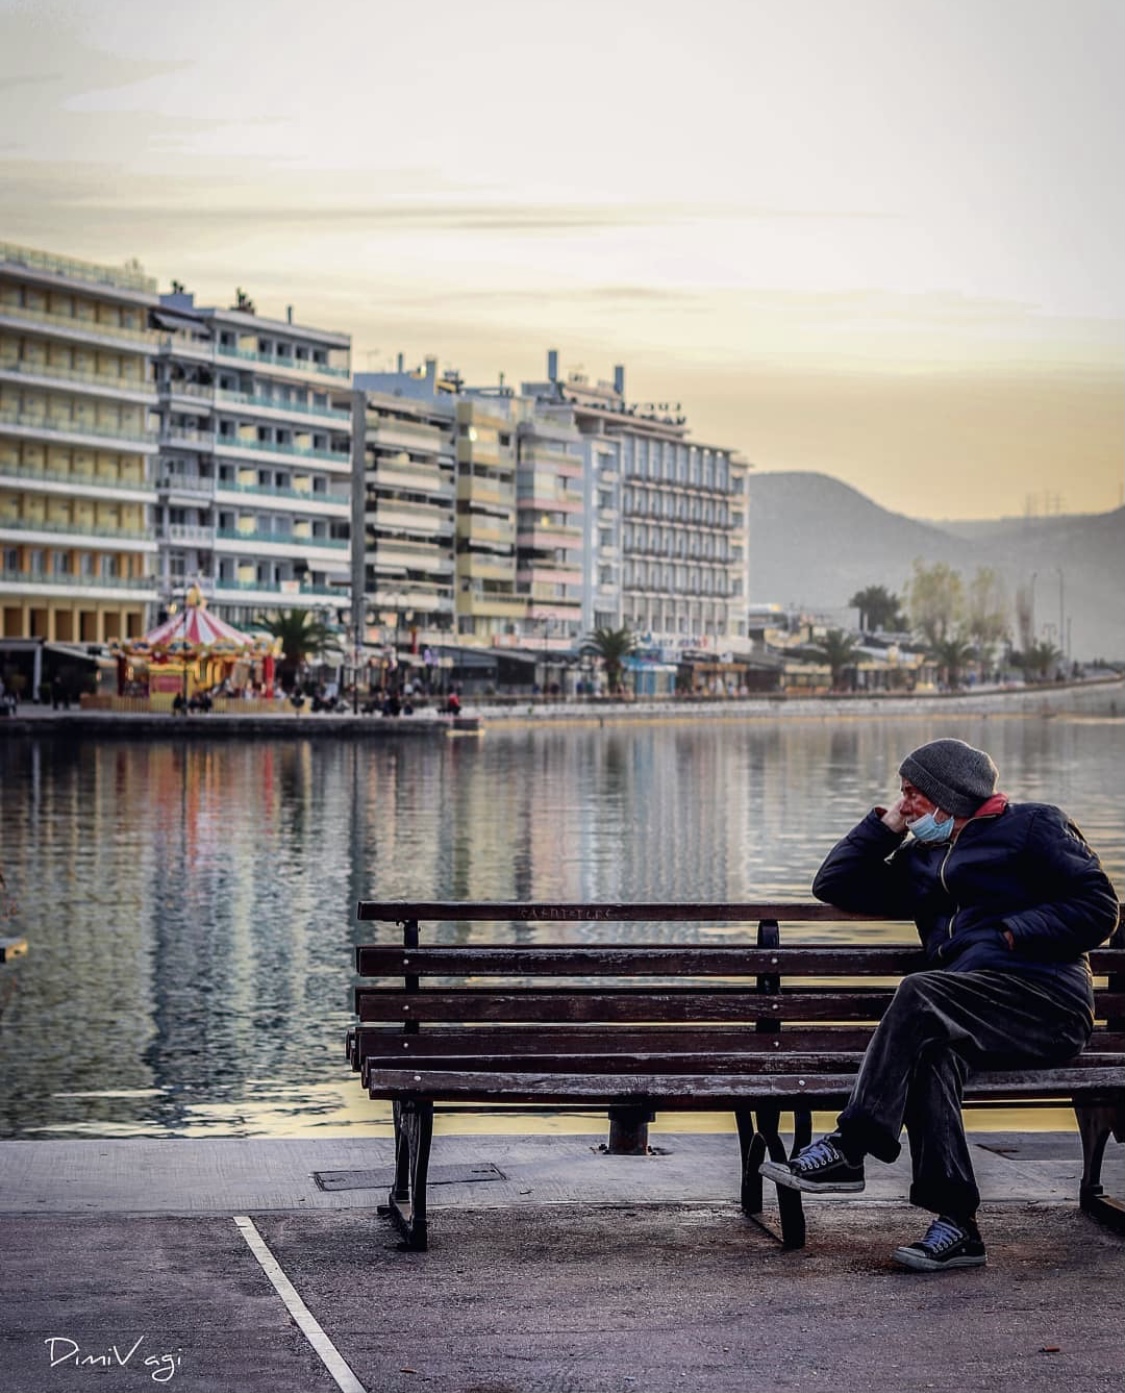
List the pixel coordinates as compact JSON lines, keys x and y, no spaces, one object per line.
{"x":893,"y":817}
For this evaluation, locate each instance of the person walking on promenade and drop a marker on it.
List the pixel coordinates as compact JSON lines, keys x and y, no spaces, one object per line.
{"x":1008,"y":898}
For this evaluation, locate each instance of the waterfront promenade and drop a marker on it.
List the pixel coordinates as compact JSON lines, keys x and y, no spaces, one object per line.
{"x":553,"y":1267}
{"x":1098,"y":698}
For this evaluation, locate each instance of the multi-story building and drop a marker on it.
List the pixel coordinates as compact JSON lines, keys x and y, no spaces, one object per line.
{"x":406,"y":479}
{"x":488,"y":604}
{"x":77,"y":448}
{"x":550,"y":539}
{"x":667,"y":535}
{"x":255,"y":477}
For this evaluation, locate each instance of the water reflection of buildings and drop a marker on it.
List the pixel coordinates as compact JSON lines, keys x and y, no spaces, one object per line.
{"x":187,"y":905}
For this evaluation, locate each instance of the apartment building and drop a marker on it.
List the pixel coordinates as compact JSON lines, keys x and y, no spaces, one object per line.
{"x":254,"y":484}
{"x":550,"y":532}
{"x":406,"y":481}
{"x":488,"y":605}
{"x":667,"y":546}
{"x":78,"y":403}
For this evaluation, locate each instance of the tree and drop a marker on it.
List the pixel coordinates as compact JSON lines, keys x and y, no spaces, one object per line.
{"x":613,"y":646}
{"x":987,"y":610}
{"x":951,"y":654}
{"x":303,"y":636}
{"x":878,"y":609}
{"x":838,"y":650}
{"x":1037,"y":660}
{"x":1025,"y":615}
{"x":935,"y":596}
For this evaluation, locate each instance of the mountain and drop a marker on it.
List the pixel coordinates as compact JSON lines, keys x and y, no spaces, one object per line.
{"x":815,"y":541}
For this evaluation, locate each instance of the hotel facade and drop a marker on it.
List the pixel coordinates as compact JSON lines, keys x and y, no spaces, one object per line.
{"x":78,"y":449}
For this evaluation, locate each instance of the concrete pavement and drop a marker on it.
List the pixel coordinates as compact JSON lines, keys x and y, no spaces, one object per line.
{"x":552,"y":1266}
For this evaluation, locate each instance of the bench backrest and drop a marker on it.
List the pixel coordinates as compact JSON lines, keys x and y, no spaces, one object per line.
{"x":506,"y":999}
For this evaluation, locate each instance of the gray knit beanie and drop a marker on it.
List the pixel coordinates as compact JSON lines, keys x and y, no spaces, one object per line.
{"x":951,"y":774}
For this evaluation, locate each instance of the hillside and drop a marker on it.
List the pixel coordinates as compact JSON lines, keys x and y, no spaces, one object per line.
{"x":815,"y":541}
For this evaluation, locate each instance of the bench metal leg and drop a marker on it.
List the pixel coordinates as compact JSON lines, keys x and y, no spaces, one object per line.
{"x":753,"y":1148}
{"x":628,"y":1130}
{"x":789,"y":1208}
{"x":406,"y":1203}
{"x":1096,"y":1123}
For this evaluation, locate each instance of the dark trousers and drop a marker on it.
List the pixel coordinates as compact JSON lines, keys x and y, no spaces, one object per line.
{"x":938,"y":1028}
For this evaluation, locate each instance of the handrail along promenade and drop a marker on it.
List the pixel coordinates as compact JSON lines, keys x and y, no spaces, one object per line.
{"x":756,"y":1027}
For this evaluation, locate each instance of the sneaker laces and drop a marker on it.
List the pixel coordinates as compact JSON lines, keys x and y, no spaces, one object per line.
{"x":824,"y":1152}
{"x":943,"y":1233}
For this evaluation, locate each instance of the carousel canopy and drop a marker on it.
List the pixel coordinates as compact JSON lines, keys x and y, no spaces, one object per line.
{"x":194,"y":631}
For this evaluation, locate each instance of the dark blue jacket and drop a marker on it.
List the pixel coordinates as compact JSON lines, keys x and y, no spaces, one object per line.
{"x":1026,"y":868}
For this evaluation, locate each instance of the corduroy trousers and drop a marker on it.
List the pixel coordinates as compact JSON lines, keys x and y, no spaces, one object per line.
{"x":939,"y":1027}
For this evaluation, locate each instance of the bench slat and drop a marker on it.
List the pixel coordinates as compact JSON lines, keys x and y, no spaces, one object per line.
{"x":695,"y":1062}
{"x":585,"y":1004}
{"x":663,"y":1004}
{"x":458,"y":911}
{"x":711,"y":1091}
{"x":624,"y":960}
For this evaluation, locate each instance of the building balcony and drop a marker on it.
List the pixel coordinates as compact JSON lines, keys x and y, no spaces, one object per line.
{"x":301,"y":367}
{"x":553,"y":461}
{"x":482,"y":567}
{"x":185,"y":484}
{"x":405,"y":435}
{"x":235,"y":446}
{"x":391,"y":476}
{"x":177,"y":346}
{"x":499,"y":533}
{"x":547,"y":576}
{"x":405,"y":517}
{"x":88,"y":331}
{"x":471,"y":489}
{"x":187,"y":437}
{"x":90,"y":384}
{"x":562,"y":538}
{"x":26,"y":426}
{"x":200,"y":395}
{"x":41,"y":532}
{"x":401,"y":556}
{"x":337,"y":505}
{"x":492,"y":606}
{"x":68,"y":482}
{"x":299,"y":540}
{"x":87,"y":272}
{"x":189,"y":534}
{"x":539,"y":503}
{"x":291,"y":591}
{"x":143,"y":589}
{"x":274,"y":409}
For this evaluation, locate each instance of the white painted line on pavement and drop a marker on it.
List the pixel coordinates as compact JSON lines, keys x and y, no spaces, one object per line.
{"x":331,"y":1357}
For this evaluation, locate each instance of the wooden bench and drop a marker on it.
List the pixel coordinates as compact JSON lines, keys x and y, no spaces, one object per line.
{"x":758,"y":1028}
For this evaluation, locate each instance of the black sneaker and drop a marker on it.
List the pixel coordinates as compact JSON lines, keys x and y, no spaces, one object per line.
{"x":821,"y":1168}
{"x":947,"y":1244}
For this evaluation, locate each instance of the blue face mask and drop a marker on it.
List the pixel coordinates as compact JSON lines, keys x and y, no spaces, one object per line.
{"x":928,"y":829}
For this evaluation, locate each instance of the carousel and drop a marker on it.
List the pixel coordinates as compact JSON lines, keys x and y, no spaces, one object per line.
{"x":194,"y":652}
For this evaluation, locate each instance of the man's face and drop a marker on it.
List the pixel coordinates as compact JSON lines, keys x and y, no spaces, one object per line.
{"x":915,"y":804}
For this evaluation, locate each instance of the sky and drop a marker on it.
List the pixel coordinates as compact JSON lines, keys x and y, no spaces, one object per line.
{"x":879,"y":239}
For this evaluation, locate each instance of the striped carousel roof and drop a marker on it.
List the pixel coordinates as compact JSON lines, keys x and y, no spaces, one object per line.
{"x":196,"y":627}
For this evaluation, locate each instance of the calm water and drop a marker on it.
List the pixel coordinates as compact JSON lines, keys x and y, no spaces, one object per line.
{"x":189,"y":908}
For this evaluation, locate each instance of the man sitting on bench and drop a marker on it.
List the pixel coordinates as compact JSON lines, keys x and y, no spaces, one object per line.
{"x":1007,"y":898}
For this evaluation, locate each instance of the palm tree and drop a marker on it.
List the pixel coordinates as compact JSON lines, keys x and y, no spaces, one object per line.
{"x":1037,"y":660}
{"x":951,"y":655}
{"x":838,"y":650}
{"x":303,"y":636}
{"x":878,"y":609}
{"x":613,"y":646}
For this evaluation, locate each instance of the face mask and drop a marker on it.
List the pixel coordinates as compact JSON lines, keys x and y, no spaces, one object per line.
{"x":928,"y":829}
